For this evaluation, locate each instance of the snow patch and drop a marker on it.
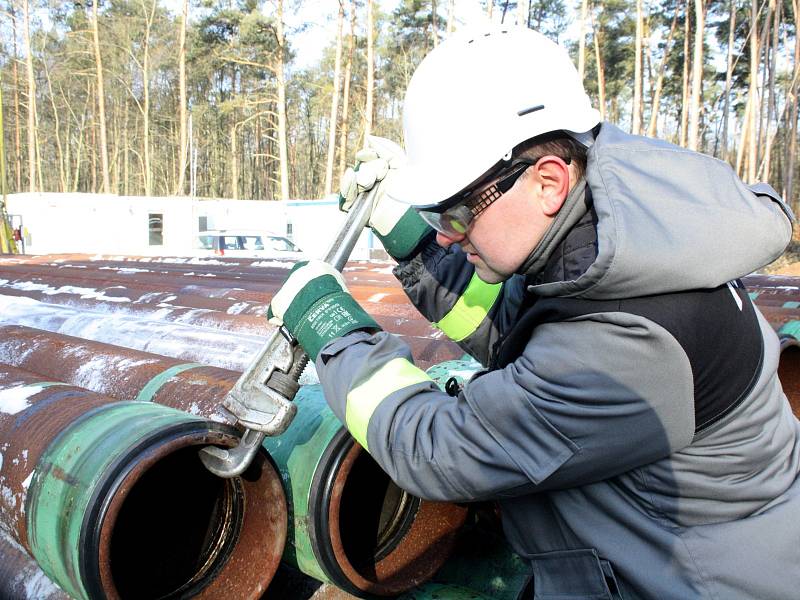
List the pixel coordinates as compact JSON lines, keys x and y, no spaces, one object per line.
{"x":126,"y":270}
{"x":238,"y":308}
{"x":274,"y":264}
{"x":15,"y":399}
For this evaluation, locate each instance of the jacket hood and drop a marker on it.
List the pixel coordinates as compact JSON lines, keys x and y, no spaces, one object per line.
{"x":669,"y":219}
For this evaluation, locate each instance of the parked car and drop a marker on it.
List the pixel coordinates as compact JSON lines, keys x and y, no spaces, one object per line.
{"x":245,"y":244}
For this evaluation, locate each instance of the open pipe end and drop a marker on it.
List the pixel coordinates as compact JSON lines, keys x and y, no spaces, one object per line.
{"x":380,"y":540}
{"x":172,"y":529}
{"x":789,"y":371}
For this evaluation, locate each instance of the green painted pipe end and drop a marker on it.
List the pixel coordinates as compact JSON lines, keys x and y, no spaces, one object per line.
{"x":75,"y":478}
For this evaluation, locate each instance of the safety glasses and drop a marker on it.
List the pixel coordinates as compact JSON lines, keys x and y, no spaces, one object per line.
{"x":459,"y":214}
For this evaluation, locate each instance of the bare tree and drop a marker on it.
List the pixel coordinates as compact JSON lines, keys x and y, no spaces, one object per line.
{"x":695,"y":105}
{"x":793,"y":89}
{"x":581,"y":37}
{"x":772,"y":109}
{"x":451,"y":17}
{"x":346,"y":93}
{"x":101,"y":100}
{"x":31,"y":97}
{"x":337,"y":74}
{"x":368,"y":109}
{"x":17,"y":111}
{"x":148,"y":167}
{"x":728,"y":79}
{"x":636,"y":111}
{"x":685,"y":81}
{"x":184,"y":141}
{"x":281,"y":85}
{"x":601,"y":80}
{"x":652,"y":128}
{"x":523,"y":9}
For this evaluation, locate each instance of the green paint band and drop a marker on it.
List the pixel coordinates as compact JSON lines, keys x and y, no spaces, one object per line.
{"x":149,"y":390}
{"x":792,"y":329}
{"x":470,"y":310}
{"x":70,"y":472}
{"x":297,"y":453}
{"x":753,"y":295}
{"x":791,"y":304}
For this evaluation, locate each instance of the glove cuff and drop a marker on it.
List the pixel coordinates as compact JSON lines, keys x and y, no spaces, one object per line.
{"x":404,"y":238}
{"x":330,"y":317}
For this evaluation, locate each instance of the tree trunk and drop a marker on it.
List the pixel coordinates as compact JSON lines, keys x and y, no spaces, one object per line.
{"x":523,"y":9}
{"x":581,"y":38}
{"x":148,"y":169}
{"x":652,"y":129}
{"x":770,"y":63}
{"x":101,"y":102}
{"x":31,"y":99}
{"x":17,"y":111}
{"x":601,"y":80}
{"x":346,"y":94}
{"x":370,"y":72}
{"x":685,"y":88}
{"x":281,"y":84}
{"x":184,"y":142}
{"x":337,"y":75}
{"x":234,"y":165}
{"x":434,"y":23}
{"x":451,"y":17}
{"x":792,"y":150}
{"x":57,"y":132}
{"x":695,"y":105}
{"x":753,"y":99}
{"x":728,"y":79}
{"x":489,"y":9}
{"x":636,"y":112}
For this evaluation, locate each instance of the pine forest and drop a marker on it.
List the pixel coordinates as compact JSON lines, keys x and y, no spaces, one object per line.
{"x":217,"y":98}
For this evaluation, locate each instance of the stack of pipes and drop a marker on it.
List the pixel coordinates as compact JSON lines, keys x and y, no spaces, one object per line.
{"x":112,"y":374}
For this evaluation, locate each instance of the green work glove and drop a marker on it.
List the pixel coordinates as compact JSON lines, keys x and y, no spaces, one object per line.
{"x":397,"y":225}
{"x":315,"y":306}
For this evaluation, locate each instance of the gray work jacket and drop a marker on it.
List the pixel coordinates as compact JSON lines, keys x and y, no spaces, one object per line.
{"x":631,"y":423}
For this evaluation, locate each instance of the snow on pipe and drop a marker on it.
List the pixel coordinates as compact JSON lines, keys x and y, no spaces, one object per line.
{"x":229,"y":314}
{"x":112,"y":501}
{"x":119,"y":286}
{"x":212,"y":346}
{"x":350,"y":524}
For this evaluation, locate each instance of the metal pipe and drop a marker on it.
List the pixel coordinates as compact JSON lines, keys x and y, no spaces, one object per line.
{"x":351,"y":525}
{"x":20,"y":575}
{"x":112,"y":501}
{"x":339,"y":496}
{"x":232,"y":350}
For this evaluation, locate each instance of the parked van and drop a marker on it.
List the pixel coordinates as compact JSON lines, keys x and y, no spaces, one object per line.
{"x":247,"y":244}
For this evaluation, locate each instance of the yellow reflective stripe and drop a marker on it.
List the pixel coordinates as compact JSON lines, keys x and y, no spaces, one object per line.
{"x":470,"y":310}
{"x":365,"y":398}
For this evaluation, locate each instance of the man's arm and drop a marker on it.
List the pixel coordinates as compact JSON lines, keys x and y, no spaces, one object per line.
{"x":566,"y":413}
{"x":445,"y":289}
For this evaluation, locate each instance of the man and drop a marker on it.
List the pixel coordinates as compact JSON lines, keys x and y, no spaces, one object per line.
{"x":630,"y":421}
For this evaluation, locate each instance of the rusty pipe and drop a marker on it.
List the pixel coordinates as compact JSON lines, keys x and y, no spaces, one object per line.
{"x":100,"y":492}
{"x":336,"y":488}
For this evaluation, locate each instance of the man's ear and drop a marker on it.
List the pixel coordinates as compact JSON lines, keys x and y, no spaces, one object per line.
{"x":552,"y":176}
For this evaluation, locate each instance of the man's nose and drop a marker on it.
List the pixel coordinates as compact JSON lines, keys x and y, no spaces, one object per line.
{"x":445,"y":240}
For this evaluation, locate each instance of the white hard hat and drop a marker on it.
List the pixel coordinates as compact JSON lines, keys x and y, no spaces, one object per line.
{"x":474,"y":98}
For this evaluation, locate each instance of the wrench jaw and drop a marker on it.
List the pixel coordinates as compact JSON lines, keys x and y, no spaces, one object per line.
{"x":261,"y":409}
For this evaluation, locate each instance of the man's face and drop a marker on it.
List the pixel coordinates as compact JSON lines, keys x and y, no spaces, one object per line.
{"x":502,"y":237}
